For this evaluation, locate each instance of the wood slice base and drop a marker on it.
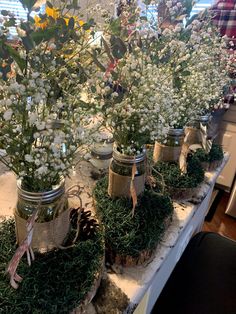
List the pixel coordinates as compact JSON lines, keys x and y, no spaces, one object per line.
{"x":130,"y":261}
{"x":178,"y":194}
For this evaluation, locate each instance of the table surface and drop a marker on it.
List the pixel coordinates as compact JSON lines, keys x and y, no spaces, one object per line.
{"x":133,"y":281}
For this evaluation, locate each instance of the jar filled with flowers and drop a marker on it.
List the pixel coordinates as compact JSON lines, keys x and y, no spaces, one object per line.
{"x":41,"y":120}
{"x":208,"y":77}
{"x":138,"y":69}
{"x":193,"y":54}
{"x":130,"y":96}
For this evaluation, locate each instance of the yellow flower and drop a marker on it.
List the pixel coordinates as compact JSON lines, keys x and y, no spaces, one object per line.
{"x":49,"y":12}
{"x":79,"y":22}
{"x":39,"y":24}
{"x":66,"y":20}
{"x":52,"y":12}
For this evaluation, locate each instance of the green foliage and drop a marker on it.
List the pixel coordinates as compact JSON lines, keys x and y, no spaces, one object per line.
{"x":115,"y":26}
{"x":4,"y":12}
{"x":147,"y":2}
{"x":10,"y":23}
{"x":194,"y":169}
{"x":127,"y":235}
{"x":188,"y":5}
{"x":13,"y":53}
{"x":56,"y":282}
{"x":216,"y":153}
{"x":86,"y":26}
{"x":71,"y":23}
{"x":201,"y":155}
{"x":28,"y":4}
{"x":41,"y":35}
{"x":56,"y":30}
{"x":118,"y":47}
{"x":48,"y":3}
{"x":174,"y":177}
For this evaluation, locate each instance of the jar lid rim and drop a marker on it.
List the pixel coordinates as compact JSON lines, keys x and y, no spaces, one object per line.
{"x":46,"y":196}
{"x":101,"y":155}
{"x":177,"y":132}
{"x":203,"y":118}
{"x":129,"y":159}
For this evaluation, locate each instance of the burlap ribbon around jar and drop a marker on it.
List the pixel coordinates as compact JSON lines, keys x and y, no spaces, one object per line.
{"x":192,"y":136}
{"x":119,"y":186}
{"x":166,"y":153}
{"x":46,"y":235}
{"x":51,"y":234}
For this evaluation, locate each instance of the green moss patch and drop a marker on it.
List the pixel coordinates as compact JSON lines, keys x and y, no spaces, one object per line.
{"x":216,"y":154}
{"x":175,"y":178}
{"x":129,"y":235}
{"x":56,"y":282}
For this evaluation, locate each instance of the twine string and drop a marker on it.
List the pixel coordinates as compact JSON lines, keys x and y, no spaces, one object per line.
{"x":162,"y":181}
{"x":132,"y":188}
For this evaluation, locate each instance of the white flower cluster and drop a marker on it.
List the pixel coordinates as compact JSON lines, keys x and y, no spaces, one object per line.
{"x":40,"y":138}
{"x":42,"y":116}
{"x":169,"y":74}
{"x":140,"y":82}
{"x":132,"y":105}
{"x":196,"y":61}
{"x":208,"y":69}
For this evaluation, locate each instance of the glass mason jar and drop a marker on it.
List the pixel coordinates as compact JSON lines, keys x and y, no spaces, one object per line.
{"x":52,"y":223}
{"x":120,"y":173}
{"x":29,"y":201}
{"x":175,"y":137}
{"x":102,"y":154}
{"x":171,"y":150}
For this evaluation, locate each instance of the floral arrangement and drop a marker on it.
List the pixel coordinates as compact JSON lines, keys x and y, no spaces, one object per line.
{"x":42,"y":78}
{"x":142,"y":80}
{"x":135,"y":93}
{"x":195,"y":59}
{"x":156,"y":76}
{"x":208,"y":74}
{"x":132,"y":102}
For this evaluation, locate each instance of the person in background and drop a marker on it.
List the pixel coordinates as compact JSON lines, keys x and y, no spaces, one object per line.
{"x":225,"y":18}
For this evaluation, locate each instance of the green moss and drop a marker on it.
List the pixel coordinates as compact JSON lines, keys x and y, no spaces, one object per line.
{"x":127,"y":235}
{"x":173,"y":177}
{"x":194,"y":169}
{"x":216,"y":153}
{"x":201,"y":155}
{"x":56,"y":282}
